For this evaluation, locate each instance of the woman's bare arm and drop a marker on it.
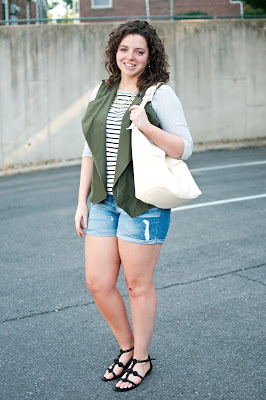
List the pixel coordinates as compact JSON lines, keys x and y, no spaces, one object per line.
{"x":84,"y":190}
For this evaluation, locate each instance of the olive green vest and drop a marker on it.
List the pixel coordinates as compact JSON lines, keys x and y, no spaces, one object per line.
{"x":94,"y":129}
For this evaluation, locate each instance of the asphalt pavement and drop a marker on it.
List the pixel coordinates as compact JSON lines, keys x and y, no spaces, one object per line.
{"x":209,"y":338}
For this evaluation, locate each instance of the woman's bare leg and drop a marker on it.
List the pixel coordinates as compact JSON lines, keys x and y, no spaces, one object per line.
{"x":139,"y":262}
{"x":102,"y":264}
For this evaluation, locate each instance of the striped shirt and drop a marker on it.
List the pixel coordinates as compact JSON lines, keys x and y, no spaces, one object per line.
{"x":113,"y":127}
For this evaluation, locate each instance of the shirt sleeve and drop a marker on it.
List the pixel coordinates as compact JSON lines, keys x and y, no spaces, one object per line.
{"x":86,"y":150}
{"x":169,"y":110}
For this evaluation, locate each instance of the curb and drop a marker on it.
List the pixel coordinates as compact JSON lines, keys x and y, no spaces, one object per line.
{"x":197,"y":148}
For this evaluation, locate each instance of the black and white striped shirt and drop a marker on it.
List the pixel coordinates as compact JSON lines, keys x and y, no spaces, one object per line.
{"x":113,"y":127}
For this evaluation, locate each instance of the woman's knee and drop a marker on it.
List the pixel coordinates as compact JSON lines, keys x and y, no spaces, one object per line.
{"x":99,"y":285}
{"x":140,"y":289}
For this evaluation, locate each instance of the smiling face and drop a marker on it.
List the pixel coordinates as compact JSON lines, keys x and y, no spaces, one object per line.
{"x":132,"y":56}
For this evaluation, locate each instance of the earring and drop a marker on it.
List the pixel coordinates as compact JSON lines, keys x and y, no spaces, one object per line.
{"x":149,"y":65}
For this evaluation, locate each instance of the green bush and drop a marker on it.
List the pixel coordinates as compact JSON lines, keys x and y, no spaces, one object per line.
{"x":191,"y":14}
{"x":253,"y":11}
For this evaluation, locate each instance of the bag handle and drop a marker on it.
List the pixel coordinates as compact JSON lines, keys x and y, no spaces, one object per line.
{"x":147,"y":97}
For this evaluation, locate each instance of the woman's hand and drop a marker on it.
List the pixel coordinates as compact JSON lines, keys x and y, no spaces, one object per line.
{"x":81,"y":214}
{"x":173,"y":145}
{"x":139,"y":117}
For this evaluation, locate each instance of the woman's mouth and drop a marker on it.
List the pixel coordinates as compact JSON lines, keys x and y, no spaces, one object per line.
{"x":129,"y":65}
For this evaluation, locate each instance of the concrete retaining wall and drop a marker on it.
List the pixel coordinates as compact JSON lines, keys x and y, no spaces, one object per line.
{"x":48,"y":72}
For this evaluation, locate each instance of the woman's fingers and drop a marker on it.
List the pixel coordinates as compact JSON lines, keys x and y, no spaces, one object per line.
{"x":79,"y":227}
{"x":139,"y":117}
{"x":135,"y":112}
{"x":81,"y":214}
{"x":80,"y":234}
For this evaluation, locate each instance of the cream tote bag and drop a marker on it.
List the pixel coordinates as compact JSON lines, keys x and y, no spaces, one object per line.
{"x":159,"y":180}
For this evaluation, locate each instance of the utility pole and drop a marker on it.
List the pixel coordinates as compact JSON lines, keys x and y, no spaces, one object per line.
{"x":148,"y":10}
{"x":172,"y":9}
{"x":76,"y":11}
{"x":6,"y":11}
{"x":37,"y":12}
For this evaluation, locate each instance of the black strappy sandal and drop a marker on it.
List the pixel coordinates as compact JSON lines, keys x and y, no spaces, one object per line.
{"x":135,"y":373}
{"x":120,"y":364}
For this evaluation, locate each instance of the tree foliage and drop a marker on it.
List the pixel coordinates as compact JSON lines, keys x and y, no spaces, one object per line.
{"x":257,"y":4}
{"x":52,"y":4}
{"x":69,"y":3}
{"x":191,"y":14}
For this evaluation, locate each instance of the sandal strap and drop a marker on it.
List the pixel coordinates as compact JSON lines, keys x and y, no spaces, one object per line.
{"x":128,"y":381}
{"x":111,"y":371}
{"x":130,"y":371}
{"x":125,"y":351}
{"x":117,"y":362}
{"x":135,"y":361}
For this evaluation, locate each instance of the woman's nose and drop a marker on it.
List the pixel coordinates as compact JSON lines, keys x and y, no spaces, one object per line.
{"x":130,"y":55}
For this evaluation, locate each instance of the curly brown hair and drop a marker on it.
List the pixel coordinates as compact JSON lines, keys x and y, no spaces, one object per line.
{"x":155,"y":72}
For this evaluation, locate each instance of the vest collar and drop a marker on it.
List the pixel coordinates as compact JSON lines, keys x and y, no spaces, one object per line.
{"x":94,"y":128}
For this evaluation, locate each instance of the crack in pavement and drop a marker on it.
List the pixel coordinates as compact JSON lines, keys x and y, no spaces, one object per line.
{"x":235,"y":272}
{"x":46,"y":312}
{"x":248,"y":278}
{"x":213,"y":276}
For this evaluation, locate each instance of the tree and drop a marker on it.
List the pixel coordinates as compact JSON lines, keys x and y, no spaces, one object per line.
{"x":69,"y":3}
{"x":52,"y":4}
{"x":60,"y":9}
{"x":257,"y":4}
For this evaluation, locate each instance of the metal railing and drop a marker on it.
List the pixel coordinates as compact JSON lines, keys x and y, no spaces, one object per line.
{"x":117,"y":18}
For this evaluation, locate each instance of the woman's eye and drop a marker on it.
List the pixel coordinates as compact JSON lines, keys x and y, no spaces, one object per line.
{"x":140,"y":52}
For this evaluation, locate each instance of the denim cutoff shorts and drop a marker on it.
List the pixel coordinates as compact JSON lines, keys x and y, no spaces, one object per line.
{"x":107,"y":219}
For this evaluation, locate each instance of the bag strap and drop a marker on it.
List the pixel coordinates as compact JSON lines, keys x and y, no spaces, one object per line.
{"x":147,"y":97}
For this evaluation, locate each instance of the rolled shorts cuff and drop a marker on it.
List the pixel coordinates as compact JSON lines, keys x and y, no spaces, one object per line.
{"x":139,"y":241}
{"x":101,"y":234}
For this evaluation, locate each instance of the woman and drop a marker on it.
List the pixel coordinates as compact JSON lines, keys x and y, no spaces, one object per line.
{"x":121,"y":229}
